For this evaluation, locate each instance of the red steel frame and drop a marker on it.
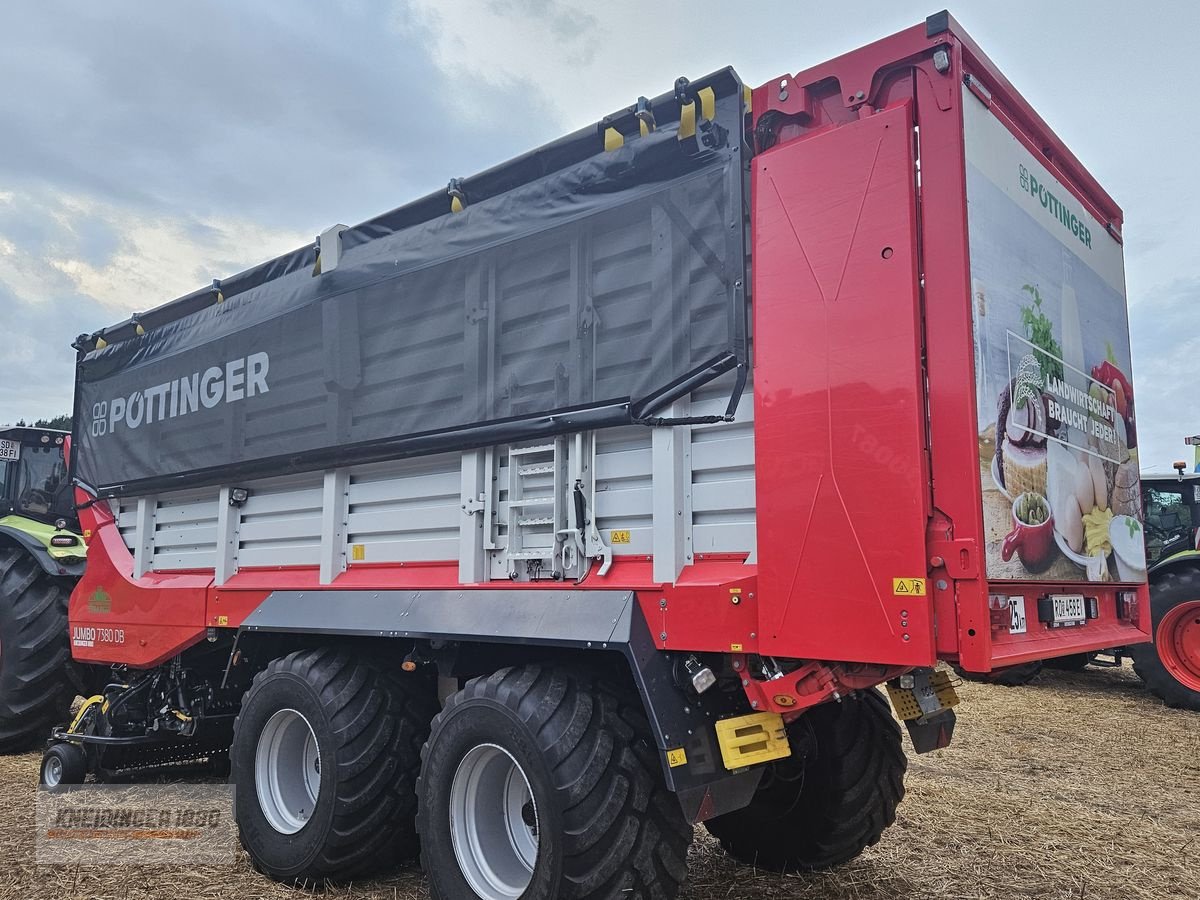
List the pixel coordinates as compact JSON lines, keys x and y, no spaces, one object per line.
{"x":835,"y":525}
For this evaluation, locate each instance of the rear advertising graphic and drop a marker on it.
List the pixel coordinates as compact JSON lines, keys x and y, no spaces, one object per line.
{"x":1057,"y":418}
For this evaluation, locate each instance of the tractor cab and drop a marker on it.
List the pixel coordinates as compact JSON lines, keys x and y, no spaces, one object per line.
{"x":1172,"y":510}
{"x":33,"y":477}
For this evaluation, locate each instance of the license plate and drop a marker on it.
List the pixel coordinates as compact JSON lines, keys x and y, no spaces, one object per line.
{"x":1067,"y":609}
{"x":9,"y":450}
{"x":1016,"y":614}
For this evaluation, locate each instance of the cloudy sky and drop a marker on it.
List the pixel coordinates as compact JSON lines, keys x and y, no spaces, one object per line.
{"x":150,"y":147}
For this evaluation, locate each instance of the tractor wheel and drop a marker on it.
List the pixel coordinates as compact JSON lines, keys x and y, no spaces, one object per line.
{"x":63,"y":763}
{"x":325,"y":756}
{"x":1013,"y":676}
{"x":1076,"y":662}
{"x":1171,"y":665}
{"x":35,"y":654}
{"x":831,"y":799}
{"x":539,"y":784}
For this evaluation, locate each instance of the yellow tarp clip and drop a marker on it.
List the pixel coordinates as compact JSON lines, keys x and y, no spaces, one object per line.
{"x":644,"y":113}
{"x":458,"y":199}
{"x":613,"y":139}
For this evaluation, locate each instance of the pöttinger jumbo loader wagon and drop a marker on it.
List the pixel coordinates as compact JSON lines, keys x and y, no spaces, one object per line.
{"x":594,"y":496}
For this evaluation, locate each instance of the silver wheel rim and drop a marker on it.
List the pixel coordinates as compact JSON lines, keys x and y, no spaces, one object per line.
{"x":287,"y":771}
{"x":493,"y":823}
{"x":52,"y":772}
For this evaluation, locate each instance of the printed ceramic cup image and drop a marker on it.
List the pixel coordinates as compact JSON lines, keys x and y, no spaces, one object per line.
{"x":1032,"y":537}
{"x":1129,"y":547}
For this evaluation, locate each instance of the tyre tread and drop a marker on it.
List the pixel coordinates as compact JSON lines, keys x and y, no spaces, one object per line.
{"x":858,"y":763}
{"x":626,"y":835}
{"x":1167,"y":589}
{"x":36,"y":656}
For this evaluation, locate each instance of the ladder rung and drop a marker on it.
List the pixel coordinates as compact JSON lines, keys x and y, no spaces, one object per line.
{"x":546,"y":469}
{"x":536,"y":520}
{"x":524,"y":451}
{"x":548,"y":553}
{"x":531,"y":501}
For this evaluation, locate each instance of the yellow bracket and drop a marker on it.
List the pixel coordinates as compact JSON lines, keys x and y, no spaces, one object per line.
{"x":908,"y":707}
{"x":87,"y":704}
{"x":687,"y":121}
{"x":613,"y":139}
{"x":756,"y":738}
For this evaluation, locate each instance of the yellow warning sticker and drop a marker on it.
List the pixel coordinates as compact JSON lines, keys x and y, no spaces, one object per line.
{"x":735,"y":648}
{"x":676,"y":758}
{"x":222,"y":620}
{"x":621,"y":536}
{"x":358,"y":552}
{"x":908,"y":587}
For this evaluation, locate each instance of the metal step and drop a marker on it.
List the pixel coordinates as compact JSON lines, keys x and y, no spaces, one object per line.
{"x":545,"y":553}
{"x":531,"y":501}
{"x":546,"y":469}
{"x":525,"y":451}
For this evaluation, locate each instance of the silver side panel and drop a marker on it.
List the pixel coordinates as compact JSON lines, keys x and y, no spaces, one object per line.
{"x":667,"y":494}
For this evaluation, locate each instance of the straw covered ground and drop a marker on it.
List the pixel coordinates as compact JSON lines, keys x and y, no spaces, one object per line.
{"x":1079,"y":786}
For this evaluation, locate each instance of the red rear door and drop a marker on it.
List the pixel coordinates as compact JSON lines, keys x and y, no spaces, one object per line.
{"x":842,"y":484}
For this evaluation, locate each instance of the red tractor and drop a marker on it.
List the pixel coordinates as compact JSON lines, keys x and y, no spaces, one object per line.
{"x":527,"y":522}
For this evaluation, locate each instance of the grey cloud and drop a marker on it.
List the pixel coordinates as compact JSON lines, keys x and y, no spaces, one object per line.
{"x":565,"y":23}
{"x":1166,"y":352}
{"x":284,"y":113}
{"x":35,"y":356}
{"x":286,"y":116}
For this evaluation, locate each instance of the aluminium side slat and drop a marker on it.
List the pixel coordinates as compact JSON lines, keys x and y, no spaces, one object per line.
{"x":429,"y":549}
{"x":722,"y":495}
{"x":185,"y":535}
{"x":414,"y":520}
{"x":184,"y":559}
{"x":402,"y":495}
{"x":280,"y":554}
{"x":723,"y":538}
{"x":280,"y":528}
{"x":282,"y":502}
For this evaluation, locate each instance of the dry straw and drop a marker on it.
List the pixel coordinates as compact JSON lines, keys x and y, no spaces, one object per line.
{"x":1079,"y":787}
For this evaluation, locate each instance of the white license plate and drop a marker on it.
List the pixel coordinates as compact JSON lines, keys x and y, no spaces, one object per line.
{"x":1016,"y":614}
{"x":9,"y":450}
{"x":1068,"y":609}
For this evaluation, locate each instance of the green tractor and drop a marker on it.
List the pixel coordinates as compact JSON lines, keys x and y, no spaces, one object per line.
{"x":1171,"y":665}
{"x":42,"y":555}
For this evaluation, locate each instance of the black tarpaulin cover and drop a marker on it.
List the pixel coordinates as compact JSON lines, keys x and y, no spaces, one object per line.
{"x":578,"y":288}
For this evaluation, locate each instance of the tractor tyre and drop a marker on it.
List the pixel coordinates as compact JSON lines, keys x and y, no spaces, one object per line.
{"x":1076,"y":662}
{"x":1013,"y":676}
{"x":1170,"y":666}
{"x":540,"y":784}
{"x":831,"y":799}
{"x":325,"y":756}
{"x":63,"y":764}
{"x":35,"y":653}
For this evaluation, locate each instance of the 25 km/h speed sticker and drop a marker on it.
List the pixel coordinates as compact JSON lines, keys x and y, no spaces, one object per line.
{"x":1016,"y":612}
{"x":9,"y":450}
